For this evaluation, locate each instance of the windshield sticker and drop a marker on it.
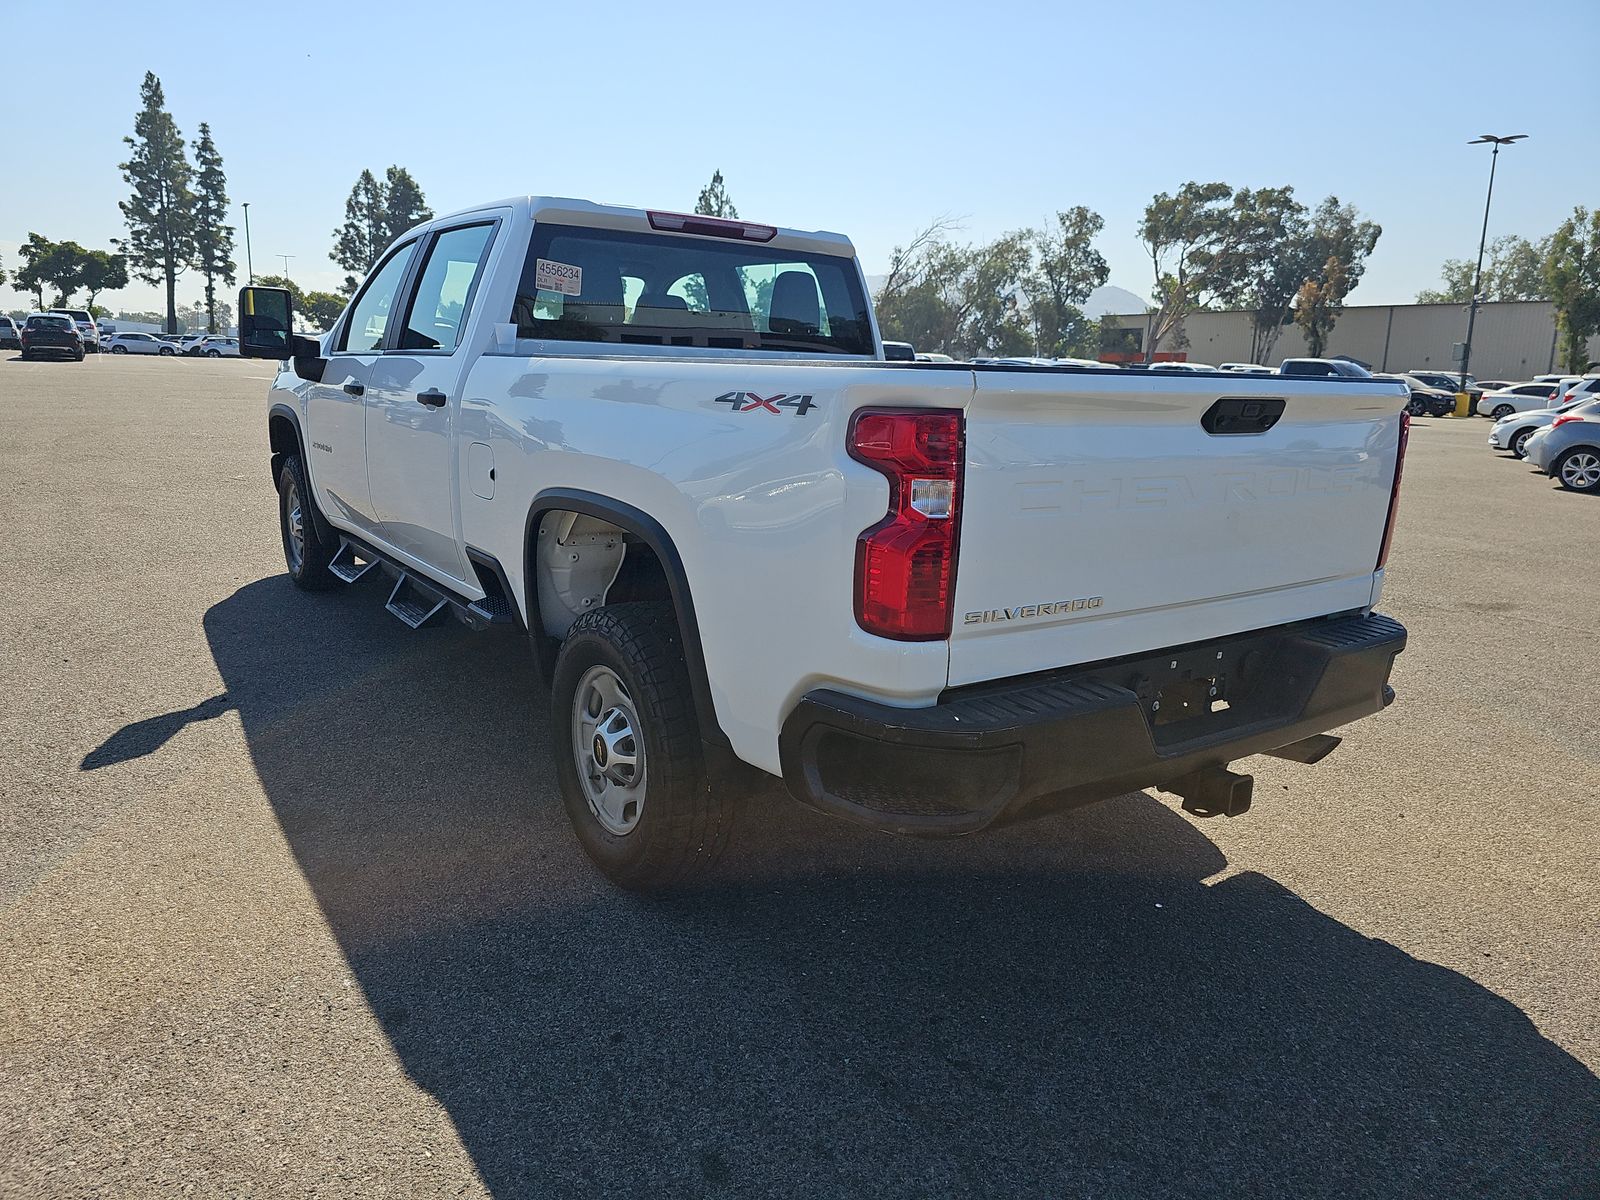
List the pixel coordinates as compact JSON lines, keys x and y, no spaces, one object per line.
{"x":560,"y":277}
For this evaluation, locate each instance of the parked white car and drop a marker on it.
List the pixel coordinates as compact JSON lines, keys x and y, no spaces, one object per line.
{"x":139,"y":343}
{"x":1584,"y":385}
{"x":1513,"y":431}
{"x":212,"y":345}
{"x":1521,"y":397}
{"x":1247,"y":369}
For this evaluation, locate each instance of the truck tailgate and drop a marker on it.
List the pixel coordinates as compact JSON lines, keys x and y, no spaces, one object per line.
{"x":1101,"y":517}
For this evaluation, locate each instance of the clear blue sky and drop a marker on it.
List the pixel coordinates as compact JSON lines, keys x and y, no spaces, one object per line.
{"x":870,"y":119}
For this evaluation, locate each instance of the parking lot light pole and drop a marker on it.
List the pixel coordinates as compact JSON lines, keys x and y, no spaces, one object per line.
{"x":1483,"y":237}
{"x":286,"y":258}
{"x":249,"y":263}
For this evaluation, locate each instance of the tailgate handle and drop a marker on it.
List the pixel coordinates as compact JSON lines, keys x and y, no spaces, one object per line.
{"x":1231,"y":417}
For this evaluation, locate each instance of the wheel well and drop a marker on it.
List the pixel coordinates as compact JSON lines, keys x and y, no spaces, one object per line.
{"x":648,"y":567}
{"x":284,"y":439}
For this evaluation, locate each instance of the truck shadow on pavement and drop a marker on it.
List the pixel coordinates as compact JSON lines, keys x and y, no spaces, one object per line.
{"x":1060,"y":1008}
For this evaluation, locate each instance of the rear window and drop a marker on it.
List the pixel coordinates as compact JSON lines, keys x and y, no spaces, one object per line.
{"x":605,"y":285}
{"x":49,"y":323}
{"x":1302,"y":367}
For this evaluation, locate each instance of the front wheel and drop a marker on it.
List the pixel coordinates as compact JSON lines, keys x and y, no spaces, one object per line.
{"x":627,"y":749}
{"x":1519,"y":443}
{"x":1501,"y":410}
{"x":119,"y":349}
{"x":1417,"y":408}
{"x":166,"y":351}
{"x":1579,"y":470}
{"x":307,"y":548}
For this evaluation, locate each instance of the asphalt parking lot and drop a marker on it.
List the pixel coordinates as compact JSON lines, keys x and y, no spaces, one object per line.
{"x":290,"y":905}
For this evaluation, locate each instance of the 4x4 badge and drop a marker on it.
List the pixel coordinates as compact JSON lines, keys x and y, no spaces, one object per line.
{"x":750,"y":402}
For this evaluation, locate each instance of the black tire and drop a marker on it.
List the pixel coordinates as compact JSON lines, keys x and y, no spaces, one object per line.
{"x":1501,"y":411}
{"x":307,"y":556}
{"x":168,"y":351}
{"x":80,"y":357}
{"x":213,"y":353}
{"x":1519,"y":441}
{"x":1591,"y":478}
{"x":1416,"y":408}
{"x":119,"y":349}
{"x":681,"y":826}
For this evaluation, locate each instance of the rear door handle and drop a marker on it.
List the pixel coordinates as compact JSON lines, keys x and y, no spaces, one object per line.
{"x":433,"y":398}
{"x":354,"y":389}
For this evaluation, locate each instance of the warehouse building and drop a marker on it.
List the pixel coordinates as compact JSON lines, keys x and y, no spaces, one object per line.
{"x":1512,"y":340}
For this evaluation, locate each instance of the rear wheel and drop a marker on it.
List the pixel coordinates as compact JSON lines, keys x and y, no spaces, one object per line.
{"x":1416,"y":407}
{"x":1502,"y":410}
{"x":213,"y":353}
{"x":167,"y":350}
{"x":627,"y":748}
{"x":308,"y":546}
{"x":119,"y":349}
{"x":1579,"y":470}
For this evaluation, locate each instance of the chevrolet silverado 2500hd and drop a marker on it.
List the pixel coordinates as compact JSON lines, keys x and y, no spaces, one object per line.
{"x":930,"y":597}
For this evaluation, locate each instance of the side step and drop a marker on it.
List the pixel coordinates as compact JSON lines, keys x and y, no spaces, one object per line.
{"x":414,"y":602}
{"x":350,"y":564}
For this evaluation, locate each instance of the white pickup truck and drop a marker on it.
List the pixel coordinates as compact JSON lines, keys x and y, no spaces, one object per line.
{"x":929,"y":596}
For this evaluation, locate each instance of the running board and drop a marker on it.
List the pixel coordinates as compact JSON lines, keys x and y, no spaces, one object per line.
{"x":414,"y":602}
{"x":350,"y":564}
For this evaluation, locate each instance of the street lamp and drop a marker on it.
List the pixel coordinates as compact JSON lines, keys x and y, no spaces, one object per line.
{"x":1477,"y":278}
{"x":249,"y":263}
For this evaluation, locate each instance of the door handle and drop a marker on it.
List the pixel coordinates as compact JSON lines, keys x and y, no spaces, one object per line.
{"x":354,"y":389}
{"x":433,"y":398}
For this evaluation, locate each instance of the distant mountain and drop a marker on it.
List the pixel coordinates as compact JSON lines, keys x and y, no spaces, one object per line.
{"x":1110,"y":299}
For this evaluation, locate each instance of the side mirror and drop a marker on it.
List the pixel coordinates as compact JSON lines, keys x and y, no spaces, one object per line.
{"x":266,"y":320}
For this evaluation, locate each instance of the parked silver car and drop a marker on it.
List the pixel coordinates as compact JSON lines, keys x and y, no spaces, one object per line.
{"x":1515,"y":432}
{"x":1569,"y":452}
{"x":140,"y":343}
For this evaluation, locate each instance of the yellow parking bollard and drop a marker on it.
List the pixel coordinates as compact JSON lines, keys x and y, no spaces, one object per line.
{"x":1463,"y":404}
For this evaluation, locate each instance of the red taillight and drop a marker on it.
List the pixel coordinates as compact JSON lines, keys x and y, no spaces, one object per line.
{"x":746,"y":231}
{"x":1562,"y":420}
{"x":1394,"y":491}
{"x":906,"y":563}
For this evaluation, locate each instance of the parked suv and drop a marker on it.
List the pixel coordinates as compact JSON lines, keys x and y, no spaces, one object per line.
{"x":84,"y":323}
{"x":213,"y":345}
{"x":139,"y":343}
{"x":1452,"y":384}
{"x":10,"y":335}
{"x":1341,"y":368}
{"x":51,"y":334}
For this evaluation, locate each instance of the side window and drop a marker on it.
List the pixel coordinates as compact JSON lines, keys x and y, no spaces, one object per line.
{"x":439,"y":308}
{"x":369,"y":316}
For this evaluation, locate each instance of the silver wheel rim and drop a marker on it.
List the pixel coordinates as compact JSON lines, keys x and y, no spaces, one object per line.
{"x":294,"y":532}
{"x":1519,"y":445}
{"x":609,"y":750}
{"x":1581,"y":470}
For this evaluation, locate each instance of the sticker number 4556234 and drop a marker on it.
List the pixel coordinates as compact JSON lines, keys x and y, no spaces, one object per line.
{"x":750,"y":402}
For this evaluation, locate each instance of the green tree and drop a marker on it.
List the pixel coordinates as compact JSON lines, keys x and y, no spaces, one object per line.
{"x":58,"y":264}
{"x":160,"y":213}
{"x":213,"y":236}
{"x":959,"y":300}
{"x":296,"y":296}
{"x":1318,"y":304}
{"x":358,"y":242}
{"x":1513,"y":269}
{"x":3,"y":275}
{"x":404,"y":205}
{"x":1066,"y":269}
{"x":714,"y":201}
{"x":102,"y":271}
{"x":322,"y":309}
{"x":1196,"y":244}
{"x":375,"y":213}
{"x":1572,"y":273}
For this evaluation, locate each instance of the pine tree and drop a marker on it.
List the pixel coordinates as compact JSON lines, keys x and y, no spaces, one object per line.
{"x":714,"y":200}
{"x":160,"y":213}
{"x":213,"y":237}
{"x":404,"y":203}
{"x":358,"y":242}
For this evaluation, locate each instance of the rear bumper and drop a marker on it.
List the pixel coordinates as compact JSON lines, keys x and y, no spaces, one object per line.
{"x":985,"y":753}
